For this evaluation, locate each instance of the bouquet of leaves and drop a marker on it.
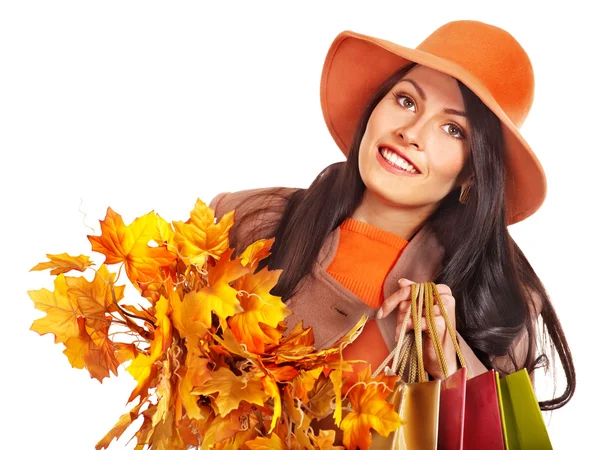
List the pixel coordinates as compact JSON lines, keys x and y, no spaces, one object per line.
{"x":205,"y":340}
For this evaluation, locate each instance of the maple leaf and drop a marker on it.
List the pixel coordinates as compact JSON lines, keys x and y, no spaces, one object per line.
{"x":272,"y":390}
{"x":370,"y":410}
{"x":117,"y":430}
{"x":201,"y":237}
{"x":129,"y":244}
{"x":325,"y":440}
{"x":64,"y":263}
{"x":256,"y":252}
{"x":219,"y":296}
{"x":143,"y":367}
{"x":273,"y":442}
{"x":95,"y":351}
{"x":259,"y":306}
{"x":196,"y":374}
{"x":232,"y":390}
{"x":61,"y":311}
{"x":225,"y":428}
{"x":95,"y":299}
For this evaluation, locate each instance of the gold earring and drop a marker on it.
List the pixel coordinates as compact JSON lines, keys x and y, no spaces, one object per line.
{"x":465,"y":195}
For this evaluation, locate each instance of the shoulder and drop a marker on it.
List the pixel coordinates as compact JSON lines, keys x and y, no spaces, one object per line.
{"x":257,"y":212}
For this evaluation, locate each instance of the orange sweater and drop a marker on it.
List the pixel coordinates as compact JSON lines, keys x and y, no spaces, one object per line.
{"x":364,"y":257}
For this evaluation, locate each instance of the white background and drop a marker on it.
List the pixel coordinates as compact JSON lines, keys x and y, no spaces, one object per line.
{"x":147,"y":105}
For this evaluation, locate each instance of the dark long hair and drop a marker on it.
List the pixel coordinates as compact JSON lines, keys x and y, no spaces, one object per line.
{"x":493,"y":285}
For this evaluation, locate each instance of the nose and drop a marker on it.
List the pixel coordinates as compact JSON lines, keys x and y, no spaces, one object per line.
{"x":410,"y":134}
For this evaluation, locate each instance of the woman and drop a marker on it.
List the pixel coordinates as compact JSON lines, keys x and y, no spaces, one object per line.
{"x":436,"y":170}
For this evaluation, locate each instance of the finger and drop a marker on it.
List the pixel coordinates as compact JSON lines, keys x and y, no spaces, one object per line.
{"x":390,"y":303}
{"x":440,"y":325}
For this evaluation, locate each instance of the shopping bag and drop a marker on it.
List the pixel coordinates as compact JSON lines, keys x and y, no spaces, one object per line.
{"x":522,"y":420}
{"x":415,"y":399}
{"x":469,"y":414}
{"x":483,"y":426}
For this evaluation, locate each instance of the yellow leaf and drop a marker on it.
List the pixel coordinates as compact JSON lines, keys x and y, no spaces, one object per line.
{"x":232,"y":389}
{"x":273,"y":442}
{"x":272,"y":390}
{"x":129,"y":244}
{"x":61,"y":311}
{"x":143,"y":367}
{"x":94,"y":351}
{"x":325,"y":440}
{"x":201,"y":237}
{"x":64,"y":263}
{"x":196,"y":374}
{"x":95,"y":299}
{"x":256,"y":252}
{"x":336,"y":378}
{"x":370,"y":410}
{"x":219,"y":296}
{"x":259,"y":307}
{"x":117,"y":430}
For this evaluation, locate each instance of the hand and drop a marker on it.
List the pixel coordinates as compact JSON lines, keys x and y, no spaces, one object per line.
{"x":401,"y":299}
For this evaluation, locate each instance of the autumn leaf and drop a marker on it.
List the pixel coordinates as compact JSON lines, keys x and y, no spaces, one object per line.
{"x":232,"y":389}
{"x":259,"y":307}
{"x":96,"y":298}
{"x":64,"y":263}
{"x":117,"y":430}
{"x":196,"y":374}
{"x":61,"y":311}
{"x":273,"y":442}
{"x":93,"y":350}
{"x":223,"y":428}
{"x":370,"y":410}
{"x":143,"y":367}
{"x":201,"y":237}
{"x":218,"y":297}
{"x":325,"y":439}
{"x":272,"y":390}
{"x":129,"y":244}
{"x":256,"y":252}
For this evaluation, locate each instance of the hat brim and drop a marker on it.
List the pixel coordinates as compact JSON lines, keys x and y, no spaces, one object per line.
{"x":357,"y":64}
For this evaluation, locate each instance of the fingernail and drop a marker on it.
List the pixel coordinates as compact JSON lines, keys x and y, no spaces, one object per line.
{"x":380,"y":313}
{"x":400,"y":280}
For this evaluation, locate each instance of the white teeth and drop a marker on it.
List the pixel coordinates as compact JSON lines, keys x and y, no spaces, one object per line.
{"x":397,"y":160}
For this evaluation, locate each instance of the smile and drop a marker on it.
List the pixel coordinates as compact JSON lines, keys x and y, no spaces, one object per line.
{"x":394,"y":163}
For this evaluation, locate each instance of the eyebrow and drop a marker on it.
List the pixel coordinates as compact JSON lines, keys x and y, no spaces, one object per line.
{"x":424,"y":97}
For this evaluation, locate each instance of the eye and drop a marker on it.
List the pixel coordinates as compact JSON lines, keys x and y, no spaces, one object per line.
{"x":400,"y":96}
{"x":455,"y":129}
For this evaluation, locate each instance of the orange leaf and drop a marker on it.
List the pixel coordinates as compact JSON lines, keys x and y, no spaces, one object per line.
{"x":273,"y":442}
{"x":272,"y":390}
{"x":64,"y":263}
{"x":129,"y":244}
{"x":232,"y":390}
{"x":201,"y":237}
{"x":143,"y":367}
{"x":256,"y":252}
{"x":259,"y":307}
{"x":117,"y":430}
{"x":219,"y":296}
{"x":93,"y":350}
{"x":325,"y":439}
{"x":61,"y":311}
{"x":95,"y":299}
{"x":370,"y":410}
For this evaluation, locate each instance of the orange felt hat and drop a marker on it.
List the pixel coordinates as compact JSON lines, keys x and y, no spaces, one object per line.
{"x":484,"y":57}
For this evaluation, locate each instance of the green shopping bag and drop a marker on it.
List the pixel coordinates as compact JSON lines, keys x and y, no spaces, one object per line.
{"x":522,"y":421}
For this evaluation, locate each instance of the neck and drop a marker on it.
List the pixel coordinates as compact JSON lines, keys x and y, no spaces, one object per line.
{"x":403,"y":221}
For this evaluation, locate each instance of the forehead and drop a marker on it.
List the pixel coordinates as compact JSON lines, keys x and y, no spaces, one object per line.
{"x":435,"y":85}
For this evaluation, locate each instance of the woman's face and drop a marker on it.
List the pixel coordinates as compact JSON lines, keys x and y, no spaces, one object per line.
{"x":421,"y":118}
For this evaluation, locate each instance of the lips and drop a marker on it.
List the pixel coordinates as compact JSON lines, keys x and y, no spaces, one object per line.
{"x":402,"y":155}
